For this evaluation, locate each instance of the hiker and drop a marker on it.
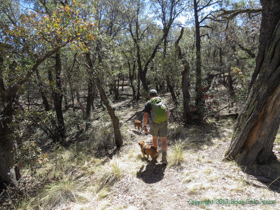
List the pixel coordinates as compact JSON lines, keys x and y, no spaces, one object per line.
{"x":159,"y":114}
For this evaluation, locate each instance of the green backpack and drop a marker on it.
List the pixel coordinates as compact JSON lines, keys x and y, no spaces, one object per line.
{"x":159,"y":110}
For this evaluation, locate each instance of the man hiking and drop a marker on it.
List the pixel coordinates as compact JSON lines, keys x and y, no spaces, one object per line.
{"x":159,"y":114}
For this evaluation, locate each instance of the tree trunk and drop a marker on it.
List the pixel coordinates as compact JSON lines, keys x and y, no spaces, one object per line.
{"x":230,"y":85}
{"x":111,"y":111}
{"x":199,"y":102}
{"x":66,"y":106}
{"x":90,"y":98}
{"x":171,"y":89}
{"x":90,"y":89}
{"x":258,"y":123}
{"x":79,"y":102}
{"x":116,"y":88}
{"x":58,"y":96}
{"x":270,"y":18}
{"x":141,"y":73}
{"x":7,"y":146}
{"x":131,"y":78}
{"x":187,"y":117}
{"x":72,"y":95}
{"x":138,"y":89}
{"x":69,"y":80}
{"x":42,"y":92}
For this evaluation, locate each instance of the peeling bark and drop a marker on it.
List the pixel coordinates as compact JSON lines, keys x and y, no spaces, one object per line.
{"x":257,"y":126}
{"x":259,"y":143}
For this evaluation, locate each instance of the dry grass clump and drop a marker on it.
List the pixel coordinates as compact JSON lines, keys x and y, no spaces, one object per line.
{"x":55,"y":195}
{"x":64,"y":180}
{"x":60,"y":193}
{"x":176,"y":153}
{"x":111,"y":173}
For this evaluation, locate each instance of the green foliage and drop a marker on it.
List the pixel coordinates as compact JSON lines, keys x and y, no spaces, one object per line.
{"x":242,"y":78}
{"x":102,"y":138}
{"x":34,"y":122}
{"x":37,"y":36}
{"x":211,"y":104}
{"x":52,"y":30}
{"x":31,"y":155}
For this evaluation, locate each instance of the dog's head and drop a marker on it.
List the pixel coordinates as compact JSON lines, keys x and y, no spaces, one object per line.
{"x":141,"y":143}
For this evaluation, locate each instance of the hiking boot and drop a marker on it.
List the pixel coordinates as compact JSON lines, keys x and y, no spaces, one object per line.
{"x":164,"y":160}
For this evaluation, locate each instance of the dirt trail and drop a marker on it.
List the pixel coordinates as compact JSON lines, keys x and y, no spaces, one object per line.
{"x":155,"y":186}
{"x":201,"y":180}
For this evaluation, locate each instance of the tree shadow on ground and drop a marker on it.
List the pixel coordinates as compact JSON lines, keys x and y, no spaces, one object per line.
{"x":153,"y":172}
{"x":193,"y":137}
{"x":139,"y":133}
{"x":268,"y":175}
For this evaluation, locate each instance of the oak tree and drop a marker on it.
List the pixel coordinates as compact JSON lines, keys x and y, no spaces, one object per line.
{"x":27,"y":43}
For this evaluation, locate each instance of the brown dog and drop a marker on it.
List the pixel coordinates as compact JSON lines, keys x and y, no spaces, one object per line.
{"x":138,"y":123}
{"x":148,"y":150}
